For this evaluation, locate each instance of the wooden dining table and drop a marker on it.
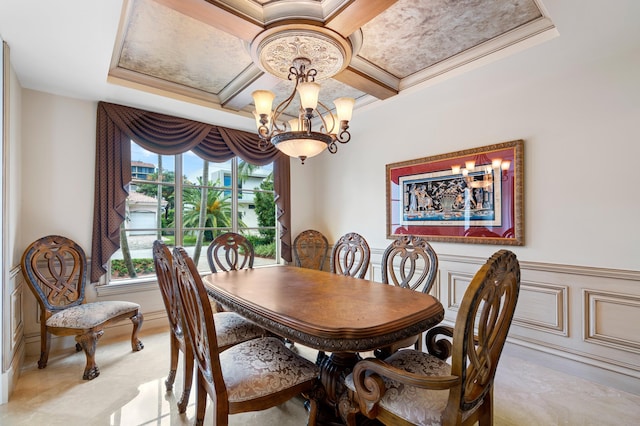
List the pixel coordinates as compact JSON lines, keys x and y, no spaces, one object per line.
{"x":325,"y":311}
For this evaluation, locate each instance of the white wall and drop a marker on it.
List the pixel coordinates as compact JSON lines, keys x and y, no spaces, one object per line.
{"x":58,"y":148}
{"x":576,"y":108}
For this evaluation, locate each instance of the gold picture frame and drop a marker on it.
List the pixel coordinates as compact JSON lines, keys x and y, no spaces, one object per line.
{"x":469,"y":196}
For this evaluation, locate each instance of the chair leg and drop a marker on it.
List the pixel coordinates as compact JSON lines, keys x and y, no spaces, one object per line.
{"x":201,"y":401}
{"x":89,"y":341}
{"x":188,"y":379}
{"x":136,"y":344}
{"x":173,"y":363}
{"x":485,"y":417}
{"x":418,"y":345}
{"x":313,"y":409}
{"x":45,"y":343}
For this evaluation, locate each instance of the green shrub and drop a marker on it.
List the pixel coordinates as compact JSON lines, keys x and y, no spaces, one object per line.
{"x":142,"y":266}
{"x":266,"y":250}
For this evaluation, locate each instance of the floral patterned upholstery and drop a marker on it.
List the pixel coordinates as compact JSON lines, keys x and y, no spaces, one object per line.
{"x":232,"y":328}
{"x":262,"y":367}
{"x":90,"y":315}
{"x":416,"y":405}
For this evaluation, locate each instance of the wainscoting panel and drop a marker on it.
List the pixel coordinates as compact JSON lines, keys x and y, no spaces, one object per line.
{"x":542,"y":307}
{"x":579,"y":319}
{"x":13,"y":346}
{"x":580,"y":316}
{"x":612,"y":320}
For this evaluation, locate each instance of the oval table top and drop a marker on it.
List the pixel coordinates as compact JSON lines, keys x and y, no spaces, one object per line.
{"x":322,"y":310}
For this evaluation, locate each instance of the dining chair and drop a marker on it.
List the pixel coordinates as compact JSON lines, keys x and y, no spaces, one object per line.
{"x":310,"y":249}
{"x":54,"y":268}
{"x":229,"y":252}
{"x":413,"y":387}
{"x":231,"y":328}
{"x":350,"y":255}
{"x":250,"y":376}
{"x":408,"y":262}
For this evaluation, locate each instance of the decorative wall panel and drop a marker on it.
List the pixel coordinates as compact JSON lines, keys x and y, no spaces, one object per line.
{"x":612,"y":320}
{"x":542,"y":306}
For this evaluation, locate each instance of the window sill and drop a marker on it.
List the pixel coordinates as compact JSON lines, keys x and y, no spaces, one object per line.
{"x":128,"y":287}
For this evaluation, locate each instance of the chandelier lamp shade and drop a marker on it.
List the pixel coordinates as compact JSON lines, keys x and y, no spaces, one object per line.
{"x":301,"y":126}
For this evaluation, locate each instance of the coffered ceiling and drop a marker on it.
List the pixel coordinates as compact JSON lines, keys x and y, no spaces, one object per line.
{"x":205,"y":51}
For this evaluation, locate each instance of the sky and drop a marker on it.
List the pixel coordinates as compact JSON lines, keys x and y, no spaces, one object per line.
{"x":192,"y":164}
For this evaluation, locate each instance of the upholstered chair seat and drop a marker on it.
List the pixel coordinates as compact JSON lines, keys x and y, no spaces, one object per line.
{"x":415,"y":405}
{"x":232,"y":328}
{"x":90,"y":315}
{"x":262,"y":367}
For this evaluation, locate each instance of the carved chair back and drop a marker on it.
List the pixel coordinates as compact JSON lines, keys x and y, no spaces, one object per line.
{"x":230,"y":252}
{"x":350,"y":256}
{"x":262,"y":372}
{"x":474,"y":345}
{"x":410,"y":262}
{"x":310,"y":249}
{"x":480,"y":332}
{"x":55,"y":270}
{"x":197,"y":318}
{"x":163,"y":262}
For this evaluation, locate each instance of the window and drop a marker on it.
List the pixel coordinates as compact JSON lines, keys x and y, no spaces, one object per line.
{"x":237,"y":196}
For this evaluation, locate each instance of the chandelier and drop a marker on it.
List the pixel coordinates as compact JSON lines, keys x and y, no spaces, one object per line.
{"x":316,"y":127}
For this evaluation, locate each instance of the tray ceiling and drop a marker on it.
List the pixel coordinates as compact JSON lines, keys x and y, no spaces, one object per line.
{"x":200,"y":51}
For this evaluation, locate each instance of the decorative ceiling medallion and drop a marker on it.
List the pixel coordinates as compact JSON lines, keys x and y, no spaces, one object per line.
{"x":276,"y":50}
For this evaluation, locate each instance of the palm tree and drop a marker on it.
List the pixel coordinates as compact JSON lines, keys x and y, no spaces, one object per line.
{"x":202,"y":218}
{"x":217,"y":213}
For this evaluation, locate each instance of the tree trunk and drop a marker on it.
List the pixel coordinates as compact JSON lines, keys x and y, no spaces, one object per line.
{"x":202,"y":220}
{"x":126,"y":254}
{"x":159,"y":211}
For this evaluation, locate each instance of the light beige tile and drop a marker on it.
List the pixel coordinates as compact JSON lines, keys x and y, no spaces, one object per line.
{"x":130,"y":391}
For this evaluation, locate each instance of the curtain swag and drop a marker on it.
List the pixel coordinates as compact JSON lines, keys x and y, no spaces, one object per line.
{"x":117,"y":125}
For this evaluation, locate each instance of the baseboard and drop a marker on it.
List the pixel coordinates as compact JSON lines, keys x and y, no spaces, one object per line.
{"x":10,"y":376}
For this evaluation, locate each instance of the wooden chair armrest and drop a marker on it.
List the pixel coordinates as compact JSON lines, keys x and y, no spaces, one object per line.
{"x":370,"y":387}
{"x":439,"y":347}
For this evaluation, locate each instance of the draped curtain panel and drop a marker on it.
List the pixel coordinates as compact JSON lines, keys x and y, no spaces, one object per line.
{"x":117,"y":125}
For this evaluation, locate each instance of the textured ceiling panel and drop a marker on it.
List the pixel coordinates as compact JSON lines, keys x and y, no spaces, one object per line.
{"x":203,"y":51}
{"x":170,"y":46}
{"x":413,"y":35}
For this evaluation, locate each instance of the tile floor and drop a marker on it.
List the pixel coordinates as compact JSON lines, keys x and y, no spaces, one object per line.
{"x":130,"y":391}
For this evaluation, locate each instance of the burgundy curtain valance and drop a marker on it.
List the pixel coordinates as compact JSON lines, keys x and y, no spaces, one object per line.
{"x":117,"y":125}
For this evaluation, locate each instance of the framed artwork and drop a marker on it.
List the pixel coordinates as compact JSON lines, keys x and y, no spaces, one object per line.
{"x":469,"y":196}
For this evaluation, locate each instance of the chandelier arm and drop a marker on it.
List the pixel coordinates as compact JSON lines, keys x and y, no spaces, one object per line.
{"x":324,"y":122}
{"x":332,"y":148}
{"x":282,"y":106}
{"x":344,"y":136}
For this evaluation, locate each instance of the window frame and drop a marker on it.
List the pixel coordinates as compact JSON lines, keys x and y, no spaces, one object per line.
{"x":178,"y":231}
